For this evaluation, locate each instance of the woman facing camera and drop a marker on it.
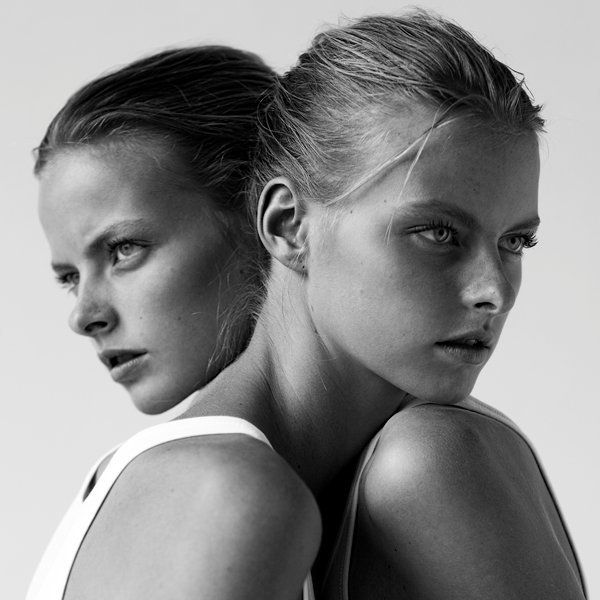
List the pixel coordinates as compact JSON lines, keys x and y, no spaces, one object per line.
{"x":142,"y":177}
{"x":398,"y":180}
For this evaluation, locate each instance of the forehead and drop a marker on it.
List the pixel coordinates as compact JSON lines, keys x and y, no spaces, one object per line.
{"x":463,"y":162}
{"x":87,"y":189}
{"x":476,"y":152}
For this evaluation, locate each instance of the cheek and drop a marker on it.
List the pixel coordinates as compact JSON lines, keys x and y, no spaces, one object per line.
{"x":405,"y":303}
{"x":514,"y":274}
{"x":374,"y":292}
{"x":185,"y":287}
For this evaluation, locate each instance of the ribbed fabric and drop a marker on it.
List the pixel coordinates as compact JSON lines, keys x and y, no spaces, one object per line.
{"x":335,"y":583}
{"x":50,"y":579}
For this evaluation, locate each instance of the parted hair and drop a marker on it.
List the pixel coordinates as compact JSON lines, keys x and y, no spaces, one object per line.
{"x":330,"y":111}
{"x":201,"y":104}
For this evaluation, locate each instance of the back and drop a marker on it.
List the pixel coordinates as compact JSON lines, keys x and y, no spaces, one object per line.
{"x":192,"y":512}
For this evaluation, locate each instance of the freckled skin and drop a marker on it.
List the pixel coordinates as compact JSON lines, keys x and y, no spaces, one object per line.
{"x":163,"y":297}
{"x":396,"y":292}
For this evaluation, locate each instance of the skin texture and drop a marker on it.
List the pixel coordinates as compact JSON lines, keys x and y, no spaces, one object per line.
{"x":349,"y":336}
{"x":407,"y":270}
{"x":150,"y":269}
{"x":147,"y":262}
{"x":220,"y":517}
{"x":356,"y":308}
{"x":453,"y":506}
{"x":360,"y":297}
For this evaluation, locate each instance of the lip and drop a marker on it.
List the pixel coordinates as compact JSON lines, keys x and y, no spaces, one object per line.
{"x":473,"y":347}
{"x":123,"y":364}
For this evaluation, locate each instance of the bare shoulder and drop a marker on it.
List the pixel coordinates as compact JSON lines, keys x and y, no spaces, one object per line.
{"x":437,"y":439}
{"x":231,"y":464}
{"x":207,"y":516}
{"x":454,"y":501}
{"x":234,"y":472}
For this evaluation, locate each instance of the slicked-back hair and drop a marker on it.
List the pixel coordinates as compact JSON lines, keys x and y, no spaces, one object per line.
{"x":330,"y":111}
{"x":200,"y":103}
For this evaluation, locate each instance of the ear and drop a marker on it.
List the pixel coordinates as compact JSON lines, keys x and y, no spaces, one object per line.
{"x":282,"y":224}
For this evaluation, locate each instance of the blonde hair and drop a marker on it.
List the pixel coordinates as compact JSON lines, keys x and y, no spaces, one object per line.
{"x":328,"y":113}
{"x":201,"y":104}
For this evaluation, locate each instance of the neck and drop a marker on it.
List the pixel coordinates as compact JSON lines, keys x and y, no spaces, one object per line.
{"x":317,"y":406}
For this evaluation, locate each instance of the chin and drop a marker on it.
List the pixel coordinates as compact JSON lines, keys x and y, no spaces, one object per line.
{"x":446,"y":391}
{"x":153,"y":406}
{"x":152,"y":401}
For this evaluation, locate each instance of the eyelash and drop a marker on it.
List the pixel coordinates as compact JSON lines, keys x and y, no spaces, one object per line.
{"x":433,"y":225}
{"x":529,"y":241}
{"x":113,"y":245}
{"x":529,"y":238}
{"x":64,"y":280}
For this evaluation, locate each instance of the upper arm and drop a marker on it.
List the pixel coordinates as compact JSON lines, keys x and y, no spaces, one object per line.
{"x":201,"y":519}
{"x":454,"y":504}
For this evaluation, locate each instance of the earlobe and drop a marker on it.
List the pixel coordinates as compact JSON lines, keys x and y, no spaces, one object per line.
{"x":282,"y":224}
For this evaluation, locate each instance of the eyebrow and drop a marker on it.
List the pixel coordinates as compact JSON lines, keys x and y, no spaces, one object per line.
{"x":60,"y":267}
{"x":121,"y":228}
{"x":459,"y":214}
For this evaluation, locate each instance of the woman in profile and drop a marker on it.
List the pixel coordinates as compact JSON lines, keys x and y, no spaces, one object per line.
{"x":142,"y":177}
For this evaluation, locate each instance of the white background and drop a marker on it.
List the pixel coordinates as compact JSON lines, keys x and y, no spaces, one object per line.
{"x":59,"y":408}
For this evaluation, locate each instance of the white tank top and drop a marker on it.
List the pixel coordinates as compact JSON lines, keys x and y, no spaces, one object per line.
{"x":50,"y":579}
{"x":335,"y":582}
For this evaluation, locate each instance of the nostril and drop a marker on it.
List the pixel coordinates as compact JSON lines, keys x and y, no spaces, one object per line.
{"x":486,"y":305}
{"x":95,"y":326}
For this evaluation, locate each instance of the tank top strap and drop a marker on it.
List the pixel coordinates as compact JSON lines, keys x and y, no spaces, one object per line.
{"x":171,"y":431}
{"x":474,"y":405}
{"x":51,"y":577}
{"x":308,"y":592}
{"x":181,"y":429}
{"x":335,"y":581}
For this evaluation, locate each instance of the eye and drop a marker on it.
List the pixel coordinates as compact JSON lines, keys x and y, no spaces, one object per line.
{"x":438,"y":233}
{"x":68,"y":281}
{"x":514,"y":243}
{"x":123,"y":250}
{"x":517,"y":242}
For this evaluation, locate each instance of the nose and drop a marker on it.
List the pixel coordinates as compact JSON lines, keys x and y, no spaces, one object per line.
{"x":93,"y":313}
{"x":491,"y":285}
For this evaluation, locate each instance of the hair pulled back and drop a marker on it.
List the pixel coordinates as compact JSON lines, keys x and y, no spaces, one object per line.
{"x":331,"y":110}
{"x":200,"y":103}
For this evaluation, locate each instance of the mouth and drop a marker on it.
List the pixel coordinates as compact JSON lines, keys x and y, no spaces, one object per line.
{"x":122,"y":363}
{"x":473,"y":349}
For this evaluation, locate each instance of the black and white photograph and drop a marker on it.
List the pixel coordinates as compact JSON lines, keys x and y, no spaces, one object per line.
{"x":302,"y":300}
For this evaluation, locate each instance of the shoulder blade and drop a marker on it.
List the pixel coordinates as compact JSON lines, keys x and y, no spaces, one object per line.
{"x":212,"y":516}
